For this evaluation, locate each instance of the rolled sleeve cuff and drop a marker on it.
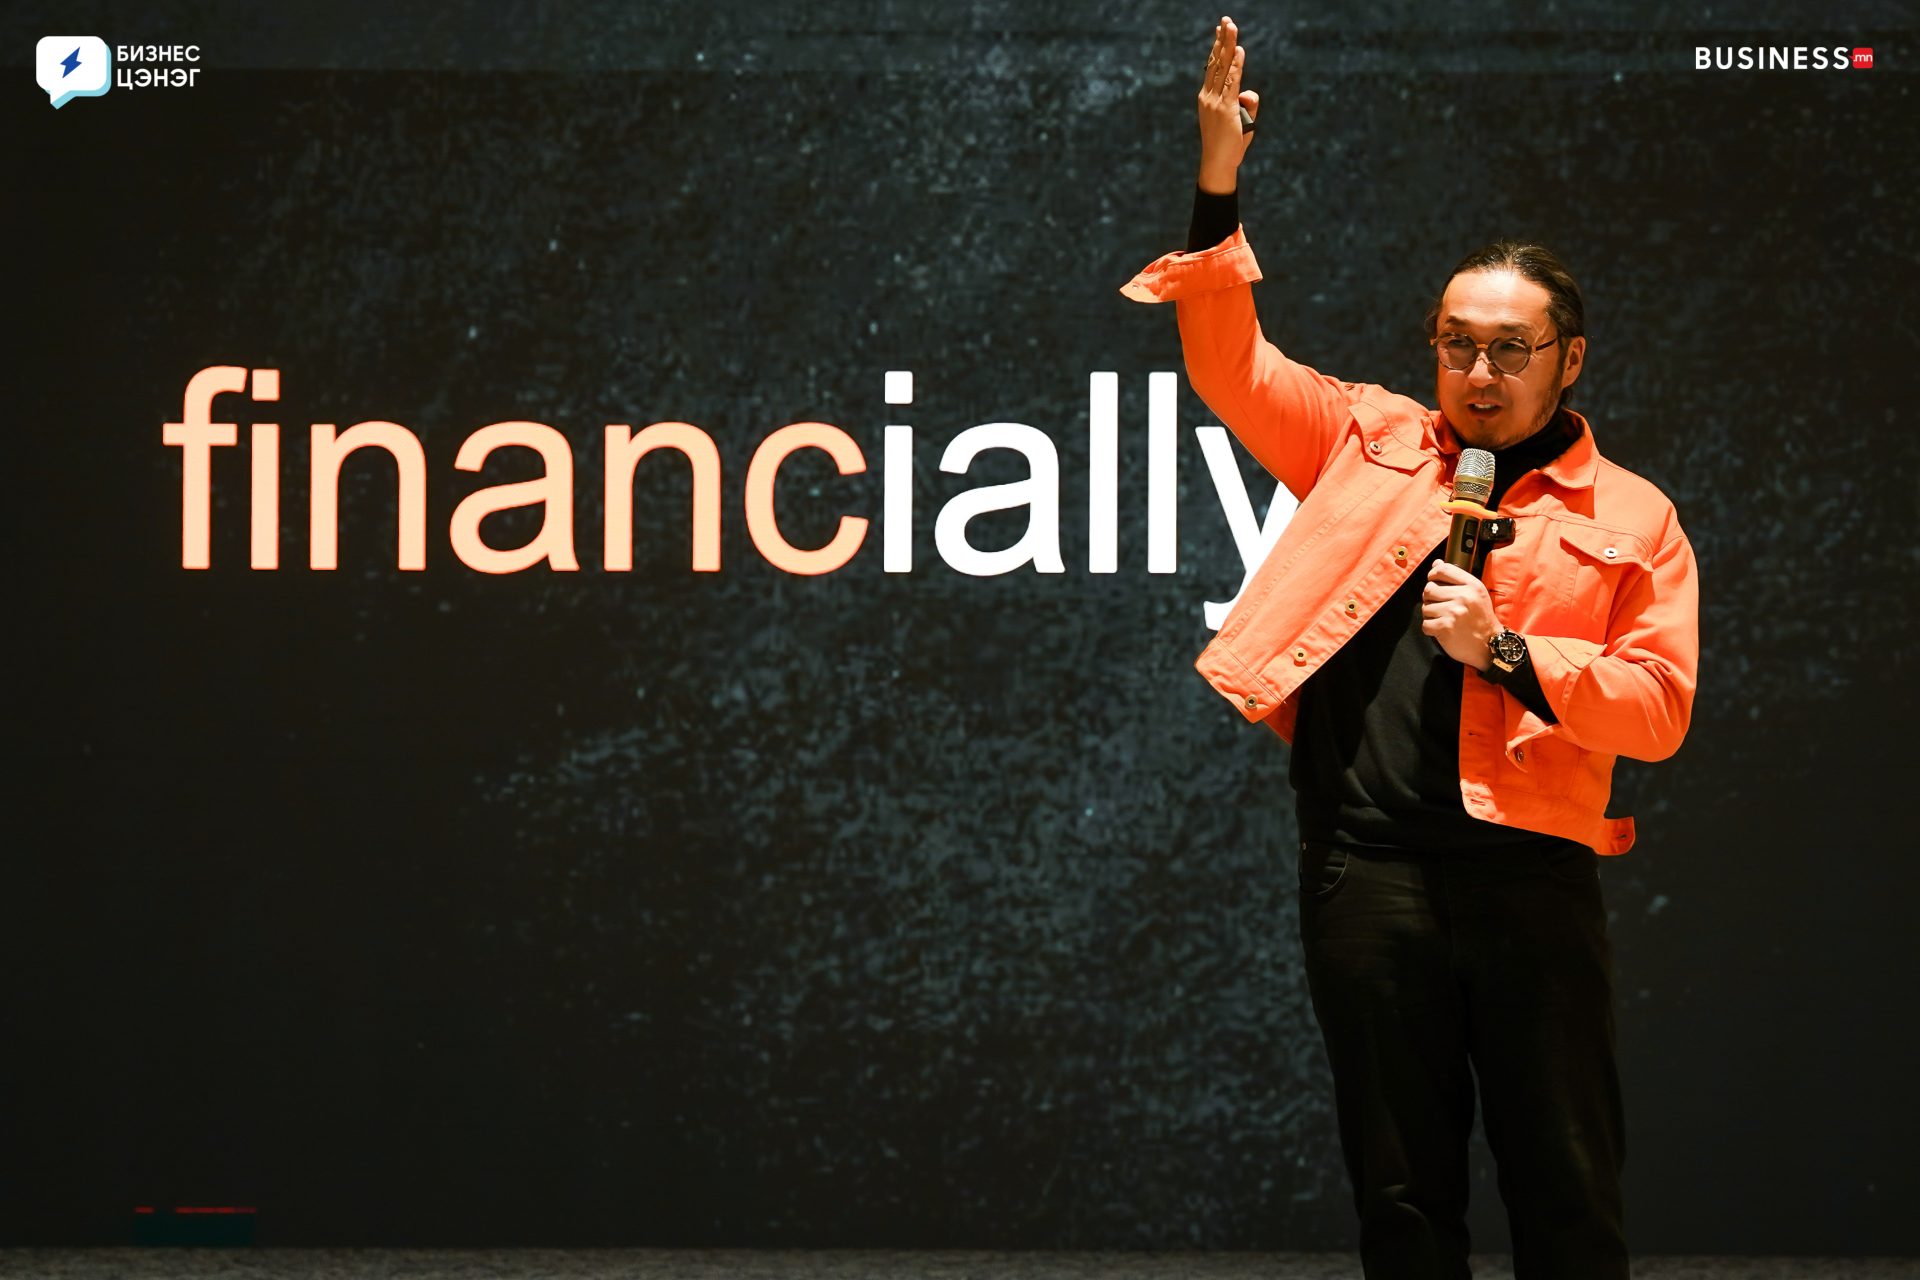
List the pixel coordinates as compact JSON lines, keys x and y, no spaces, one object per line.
{"x":1179,"y":275}
{"x":1558,"y":661}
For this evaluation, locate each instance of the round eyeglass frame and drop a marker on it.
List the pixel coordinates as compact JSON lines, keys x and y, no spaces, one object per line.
{"x":1486,"y":348}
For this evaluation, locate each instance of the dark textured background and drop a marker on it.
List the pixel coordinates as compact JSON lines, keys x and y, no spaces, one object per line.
{"x":869,"y":909}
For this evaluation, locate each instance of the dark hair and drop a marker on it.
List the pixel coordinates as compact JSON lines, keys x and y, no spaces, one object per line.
{"x":1565,"y":307}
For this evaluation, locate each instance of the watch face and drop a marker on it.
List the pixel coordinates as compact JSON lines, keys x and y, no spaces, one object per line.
{"x":1508,"y":647}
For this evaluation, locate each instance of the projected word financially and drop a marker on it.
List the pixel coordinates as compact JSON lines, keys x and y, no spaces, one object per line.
{"x":196,"y":435}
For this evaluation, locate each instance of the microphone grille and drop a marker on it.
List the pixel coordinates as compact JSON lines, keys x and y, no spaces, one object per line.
{"x":1473,"y":477}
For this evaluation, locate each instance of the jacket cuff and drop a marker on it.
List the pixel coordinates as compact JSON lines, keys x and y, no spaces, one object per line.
{"x":1558,"y":662}
{"x":1180,"y":275}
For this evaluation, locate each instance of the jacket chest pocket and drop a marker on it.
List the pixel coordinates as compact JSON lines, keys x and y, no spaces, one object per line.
{"x":1366,"y":462}
{"x":1595,"y":564}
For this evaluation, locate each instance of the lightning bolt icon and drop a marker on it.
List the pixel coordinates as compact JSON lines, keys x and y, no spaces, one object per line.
{"x":71,"y":61}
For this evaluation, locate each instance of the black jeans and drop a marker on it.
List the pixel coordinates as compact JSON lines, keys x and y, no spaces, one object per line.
{"x":1420,"y":962}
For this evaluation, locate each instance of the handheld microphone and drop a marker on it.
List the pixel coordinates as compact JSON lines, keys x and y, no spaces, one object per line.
{"x":1472,"y":486}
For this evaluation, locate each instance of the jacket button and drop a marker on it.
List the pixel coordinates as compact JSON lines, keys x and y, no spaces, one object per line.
{"x":1300,"y":656}
{"x":1353,"y":608}
{"x":1610,"y":553}
{"x":1400,"y":554}
{"x":1373,"y":446}
{"x":1252,"y":701}
{"x":1520,"y":755}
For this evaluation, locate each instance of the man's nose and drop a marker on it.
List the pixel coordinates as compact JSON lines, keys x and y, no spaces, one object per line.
{"x":1483,"y":373}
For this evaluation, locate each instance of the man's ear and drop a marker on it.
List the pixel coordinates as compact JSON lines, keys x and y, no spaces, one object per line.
{"x":1576,"y":360}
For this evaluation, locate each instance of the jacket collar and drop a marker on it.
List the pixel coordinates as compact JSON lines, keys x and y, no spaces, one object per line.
{"x":1573,"y":469}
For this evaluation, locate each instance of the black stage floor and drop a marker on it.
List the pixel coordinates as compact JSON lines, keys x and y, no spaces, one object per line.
{"x":827,"y":1264}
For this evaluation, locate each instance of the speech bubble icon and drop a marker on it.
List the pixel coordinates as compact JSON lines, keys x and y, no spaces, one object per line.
{"x":70,"y":67}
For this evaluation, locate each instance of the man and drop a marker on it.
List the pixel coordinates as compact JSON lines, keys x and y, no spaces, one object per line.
{"x":1453,"y":735}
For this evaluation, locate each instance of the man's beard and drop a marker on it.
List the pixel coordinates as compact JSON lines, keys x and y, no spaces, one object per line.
{"x":1547,"y":414}
{"x":1552,"y":409}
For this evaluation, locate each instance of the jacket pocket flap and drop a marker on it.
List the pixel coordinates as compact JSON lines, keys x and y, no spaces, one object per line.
{"x":1605,"y":546}
{"x":1381,"y":441}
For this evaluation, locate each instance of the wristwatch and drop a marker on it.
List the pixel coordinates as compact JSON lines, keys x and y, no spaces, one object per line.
{"x":1509,"y":650}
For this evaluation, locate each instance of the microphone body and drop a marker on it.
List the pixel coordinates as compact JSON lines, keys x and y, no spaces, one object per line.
{"x":1472,"y":486}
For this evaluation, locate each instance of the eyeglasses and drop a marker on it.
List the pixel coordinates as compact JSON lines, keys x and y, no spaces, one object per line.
{"x":1460,"y":353}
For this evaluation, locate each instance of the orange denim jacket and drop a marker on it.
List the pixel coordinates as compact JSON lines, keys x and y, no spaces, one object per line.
{"x":1599,"y":578}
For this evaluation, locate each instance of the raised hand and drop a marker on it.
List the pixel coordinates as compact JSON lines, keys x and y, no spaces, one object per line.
{"x":1223,"y":138}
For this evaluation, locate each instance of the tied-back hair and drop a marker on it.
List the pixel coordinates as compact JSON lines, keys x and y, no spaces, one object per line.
{"x":1566,"y":309}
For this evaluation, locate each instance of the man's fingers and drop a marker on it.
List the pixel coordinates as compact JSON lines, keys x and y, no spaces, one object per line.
{"x":1233,"y":71}
{"x":1220,"y":61}
{"x":1251,"y":101}
{"x":1451,"y":575}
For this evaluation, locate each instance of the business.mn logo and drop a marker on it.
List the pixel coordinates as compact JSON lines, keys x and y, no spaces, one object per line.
{"x":1781,"y":57}
{"x":70,"y":67}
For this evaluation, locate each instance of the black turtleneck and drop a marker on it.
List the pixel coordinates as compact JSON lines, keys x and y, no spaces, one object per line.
{"x":1214,"y":218}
